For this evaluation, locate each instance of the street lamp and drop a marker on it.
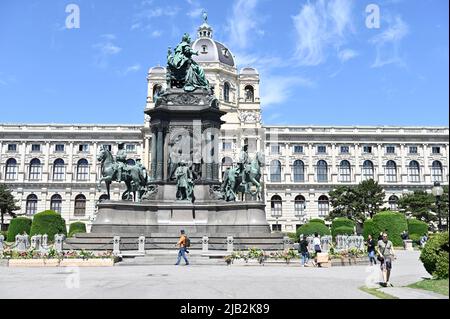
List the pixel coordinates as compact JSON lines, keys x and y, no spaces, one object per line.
{"x":437,"y":193}
{"x":370,"y":210}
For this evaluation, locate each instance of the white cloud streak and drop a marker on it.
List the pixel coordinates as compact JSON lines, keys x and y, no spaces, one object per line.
{"x":105,"y":48}
{"x":242,"y":23}
{"x":278,"y":89}
{"x":318,"y":26}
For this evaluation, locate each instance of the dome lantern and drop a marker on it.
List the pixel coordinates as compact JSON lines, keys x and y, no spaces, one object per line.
{"x":205,"y":30}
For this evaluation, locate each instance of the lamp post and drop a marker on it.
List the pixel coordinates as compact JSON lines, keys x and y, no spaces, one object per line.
{"x":370,"y":210}
{"x":437,"y":193}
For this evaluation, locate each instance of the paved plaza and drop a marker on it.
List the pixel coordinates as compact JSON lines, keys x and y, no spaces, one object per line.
{"x":200,"y":281}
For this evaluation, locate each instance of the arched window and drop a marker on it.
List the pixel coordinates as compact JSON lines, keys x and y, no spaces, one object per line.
{"x":276,"y":206}
{"x":82,"y":169}
{"x":35,"y":170}
{"x":414,"y":171}
{"x":131,"y":162}
{"x":249,"y":94}
{"x":323,"y":205}
{"x":299,"y":205}
{"x":275,"y":171}
{"x":226,"y":92}
{"x":80,"y":205}
{"x":55,"y":203}
{"x":11,"y":169}
{"x":156,"y":90}
{"x":393,"y":203}
{"x":31,"y":204}
{"x":102,"y":198}
{"x":299,"y":171}
{"x":391,"y":171}
{"x":226,"y":163}
{"x":436,"y":172}
{"x":322,"y":171}
{"x":58,"y":170}
{"x":345,"y":171}
{"x":367,"y":170}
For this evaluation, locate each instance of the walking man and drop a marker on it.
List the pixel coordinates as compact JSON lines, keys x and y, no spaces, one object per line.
{"x":303,"y":250}
{"x":371,"y":250}
{"x":182,"y":251}
{"x":385,"y":251}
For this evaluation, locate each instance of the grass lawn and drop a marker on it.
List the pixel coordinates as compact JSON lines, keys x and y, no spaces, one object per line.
{"x":439,"y":286}
{"x":375,"y":292}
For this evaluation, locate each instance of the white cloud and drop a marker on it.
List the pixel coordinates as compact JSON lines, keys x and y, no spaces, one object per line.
{"x":319,"y":25}
{"x":105,"y":48}
{"x":278,"y":89}
{"x":131,"y":69}
{"x":387,"y":43}
{"x":156,"y":33}
{"x":347,"y":54}
{"x":195,"y":13}
{"x":243,"y":22}
{"x":142,"y":19}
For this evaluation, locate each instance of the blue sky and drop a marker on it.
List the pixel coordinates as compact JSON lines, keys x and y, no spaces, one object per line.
{"x":319,"y":62}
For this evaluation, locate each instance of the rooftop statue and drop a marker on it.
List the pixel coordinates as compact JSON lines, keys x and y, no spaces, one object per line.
{"x":182,"y":70}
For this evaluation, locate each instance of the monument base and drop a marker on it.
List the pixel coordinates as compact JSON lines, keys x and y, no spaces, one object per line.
{"x":207,"y":217}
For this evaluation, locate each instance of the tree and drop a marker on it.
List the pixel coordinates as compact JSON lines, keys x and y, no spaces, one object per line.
{"x":354,"y":202}
{"x":7,"y":203}
{"x":420,"y":204}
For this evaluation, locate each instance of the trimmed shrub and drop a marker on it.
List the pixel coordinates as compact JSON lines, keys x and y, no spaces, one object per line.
{"x":317,"y":220}
{"x":18,"y":225}
{"x":48,"y":222}
{"x":342,"y":222}
{"x":370,"y":229}
{"x":435,"y":255}
{"x":394,"y":223}
{"x":416,"y":229}
{"x":343,"y":230}
{"x":77,"y":227}
{"x":313,"y":227}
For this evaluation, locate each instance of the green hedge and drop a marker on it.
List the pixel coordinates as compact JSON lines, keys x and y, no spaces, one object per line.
{"x":370,"y":229}
{"x":18,"y":225}
{"x":435,"y":255}
{"x":77,"y":227}
{"x":48,"y":222}
{"x":317,"y":220}
{"x":416,"y":229}
{"x":342,"y":222}
{"x":343,"y":230}
{"x":313,"y":227}
{"x":395,"y":223}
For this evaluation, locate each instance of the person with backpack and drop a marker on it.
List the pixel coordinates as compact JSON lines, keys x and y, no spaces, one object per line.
{"x":303,"y":250}
{"x":385,"y":251}
{"x":317,"y":247}
{"x":183,"y":243}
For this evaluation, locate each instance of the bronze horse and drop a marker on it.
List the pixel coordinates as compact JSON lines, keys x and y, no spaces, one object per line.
{"x":134,"y":177}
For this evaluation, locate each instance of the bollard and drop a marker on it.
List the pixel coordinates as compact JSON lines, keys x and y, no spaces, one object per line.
{"x":116,"y":245}
{"x":205,"y":241}
{"x":59,"y":242}
{"x":230,"y":243}
{"x":141,"y":248}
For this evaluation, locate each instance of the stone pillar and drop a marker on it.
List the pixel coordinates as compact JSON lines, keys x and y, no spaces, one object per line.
{"x":153,"y":156}
{"x":36,"y":242}
{"x":1,"y":243}
{"x":44,"y":240}
{"x":116,"y":245}
{"x":159,"y":154}
{"x":59,"y":242}
{"x":21,"y":244}
{"x":286,"y":243}
{"x":141,"y":246}
{"x":209,"y":150}
{"x":230,"y":244}
{"x":205,"y":241}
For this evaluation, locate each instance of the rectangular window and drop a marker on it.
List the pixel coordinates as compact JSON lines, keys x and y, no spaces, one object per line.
{"x":436,"y":150}
{"x":227,"y":145}
{"x":345,"y":150}
{"x":390,"y":149}
{"x":59,"y":148}
{"x":35,"y":147}
{"x":12,"y":147}
{"x":413,"y":150}
{"x":275,"y":149}
{"x":276,"y":227}
{"x":83,"y":147}
{"x":367,"y":149}
{"x":130,"y":148}
{"x":298,"y":149}
{"x":108,"y":147}
{"x":321,"y":149}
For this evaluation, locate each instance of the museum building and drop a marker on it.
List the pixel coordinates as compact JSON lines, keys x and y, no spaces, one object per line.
{"x":54,"y":166}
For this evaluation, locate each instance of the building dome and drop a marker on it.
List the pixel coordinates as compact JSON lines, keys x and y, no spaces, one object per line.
{"x":157,"y":69}
{"x":208,"y":49}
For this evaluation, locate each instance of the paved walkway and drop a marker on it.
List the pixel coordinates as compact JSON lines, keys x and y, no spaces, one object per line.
{"x":198,"y":281}
{"x":412,"y":293}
